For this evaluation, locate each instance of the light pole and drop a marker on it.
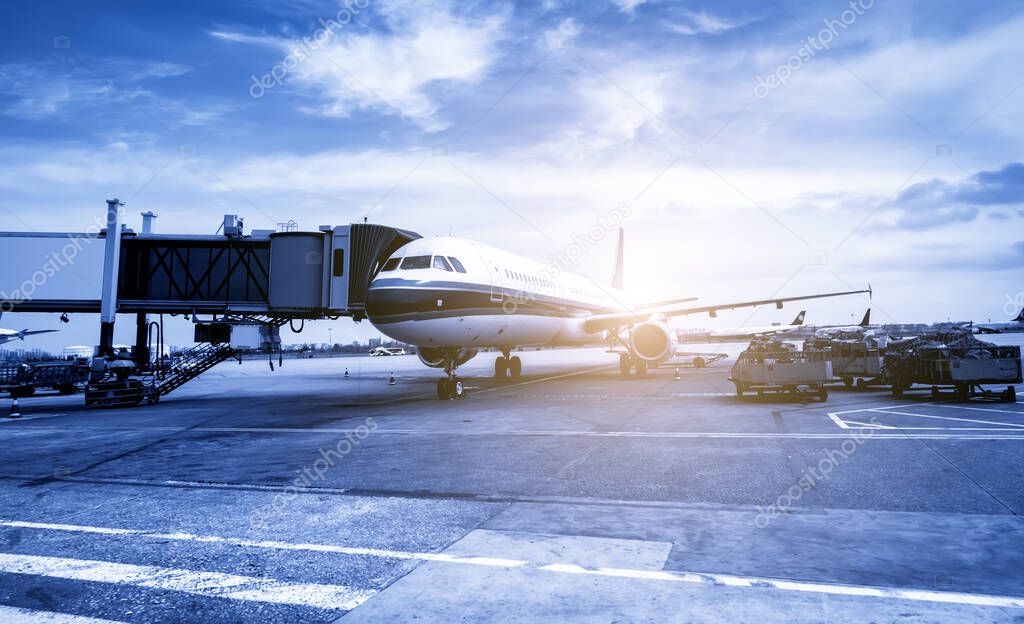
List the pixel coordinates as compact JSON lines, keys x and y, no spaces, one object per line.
{"x":330,"y":336}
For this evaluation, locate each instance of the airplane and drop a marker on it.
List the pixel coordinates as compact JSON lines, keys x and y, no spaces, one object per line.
{"x":10,"y":335}
{"x":452,"y":297}
{"x":734,"y":334}
{"x":1014,"y":325}
{"x":829,"y":331}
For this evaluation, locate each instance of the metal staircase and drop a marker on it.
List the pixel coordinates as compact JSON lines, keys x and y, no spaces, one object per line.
{"x":190,"y":364}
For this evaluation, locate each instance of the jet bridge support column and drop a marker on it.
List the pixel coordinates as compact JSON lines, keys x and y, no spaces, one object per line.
{"x":111,"y":267}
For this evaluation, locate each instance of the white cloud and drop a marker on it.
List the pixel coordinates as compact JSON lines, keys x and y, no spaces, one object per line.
{"x":392,"y":72}
{"x":703,"y":23}
{"x":628,"y":6}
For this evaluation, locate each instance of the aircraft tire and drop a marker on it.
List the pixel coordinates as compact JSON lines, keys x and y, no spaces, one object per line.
{"x":515,"y":367}
{"x":501,"y":367}
{"x":625,"y":363}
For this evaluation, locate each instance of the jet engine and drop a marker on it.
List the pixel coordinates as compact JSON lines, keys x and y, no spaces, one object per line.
{"x":436,"y":357}
{"x":652,"y":342}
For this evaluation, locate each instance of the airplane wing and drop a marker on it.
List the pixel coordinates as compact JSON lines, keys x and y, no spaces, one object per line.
{"x":662,"y":304}
{"x":33,"y":332}
{"x":615,"y":320}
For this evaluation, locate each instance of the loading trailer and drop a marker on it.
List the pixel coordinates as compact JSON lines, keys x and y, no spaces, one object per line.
{"x":237,"y":288}
{"x":857,"y":361}
{"x":953,"y":360}
{"x":772,"y":366}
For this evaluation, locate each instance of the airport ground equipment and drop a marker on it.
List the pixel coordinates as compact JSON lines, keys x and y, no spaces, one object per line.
{"x":13,"y":377}
{"x":22,"y":380}
{"x":952,"y":359}
{"x":857,"y":361}
{"x":250,"y":283}
{"x":773,"y":366}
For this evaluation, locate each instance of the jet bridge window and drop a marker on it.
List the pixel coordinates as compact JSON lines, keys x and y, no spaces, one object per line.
{"x":416,"y":262}
{"x":390,"y":265}
{"x":458,"y":265}
{"x":441,"y":263}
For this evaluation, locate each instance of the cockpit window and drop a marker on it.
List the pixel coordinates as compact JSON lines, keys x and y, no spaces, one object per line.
{"x":441,"y":263}
{"x":390,"y":265}
{"x":458,"y":265}
{"x":416,"y":262}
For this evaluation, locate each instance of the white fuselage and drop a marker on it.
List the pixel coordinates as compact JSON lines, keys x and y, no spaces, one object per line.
{"x":480,"y":296}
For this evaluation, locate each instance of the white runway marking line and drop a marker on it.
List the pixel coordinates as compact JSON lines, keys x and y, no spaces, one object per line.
{"x":15,"y":615}
{"x":230,"y":586}
{"x":25,"y":418}
{"x":844,"y":423}
{"x":585,"y":434}
{"x":542,"y":379}
{"x":208,"y":584}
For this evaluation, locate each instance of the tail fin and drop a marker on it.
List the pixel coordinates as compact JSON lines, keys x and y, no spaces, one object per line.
{"x":799,"y":320}
{"x":618,"y":279}
{"x":864,"y":322}
{"x":1020,"y":317}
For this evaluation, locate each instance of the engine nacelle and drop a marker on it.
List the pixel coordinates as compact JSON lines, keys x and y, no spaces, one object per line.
{"x":437,"y":357}
{"x":652,"y":342}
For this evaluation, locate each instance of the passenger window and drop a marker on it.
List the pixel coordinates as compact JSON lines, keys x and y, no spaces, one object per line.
{"x":458,"y":265}
{"x":441,"y":263}
{"x":390,"y":265}
{"x":416,"y":262}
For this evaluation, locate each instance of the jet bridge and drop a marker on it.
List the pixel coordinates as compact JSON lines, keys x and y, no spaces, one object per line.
{"x":282,"y":274}
{"x":263,"y":279}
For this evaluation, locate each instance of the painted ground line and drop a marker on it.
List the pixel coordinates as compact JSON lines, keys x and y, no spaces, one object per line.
{"x":208,"y":584}
{"x":16,"y":615}
{"x":1010,"y":426}
{"x":557,"y":433}
{"x":498,"y":562}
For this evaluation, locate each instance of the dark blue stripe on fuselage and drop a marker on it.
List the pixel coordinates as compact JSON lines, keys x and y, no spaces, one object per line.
{"x":393,"y":299}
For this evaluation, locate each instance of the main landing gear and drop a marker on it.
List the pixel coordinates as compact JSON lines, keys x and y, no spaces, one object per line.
{"x":627,"y":362}
{"x":508,"y":365}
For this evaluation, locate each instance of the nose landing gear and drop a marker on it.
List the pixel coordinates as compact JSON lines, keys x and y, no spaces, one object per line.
{"x":450,"y":386}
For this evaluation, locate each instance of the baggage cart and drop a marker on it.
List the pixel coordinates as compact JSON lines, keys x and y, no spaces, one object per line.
{"x":777,"y":367}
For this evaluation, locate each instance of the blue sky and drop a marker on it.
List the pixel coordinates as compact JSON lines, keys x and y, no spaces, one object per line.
{"x":887,"y":147}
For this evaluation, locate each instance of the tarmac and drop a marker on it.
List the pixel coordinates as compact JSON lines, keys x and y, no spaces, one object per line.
{"x":570,"y":495}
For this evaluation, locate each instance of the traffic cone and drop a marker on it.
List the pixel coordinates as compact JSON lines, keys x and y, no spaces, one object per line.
{"x":391,"y":381}
{"x":15,"y":412}
{"x":677,"y":373}
{"x":346,"y":373}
